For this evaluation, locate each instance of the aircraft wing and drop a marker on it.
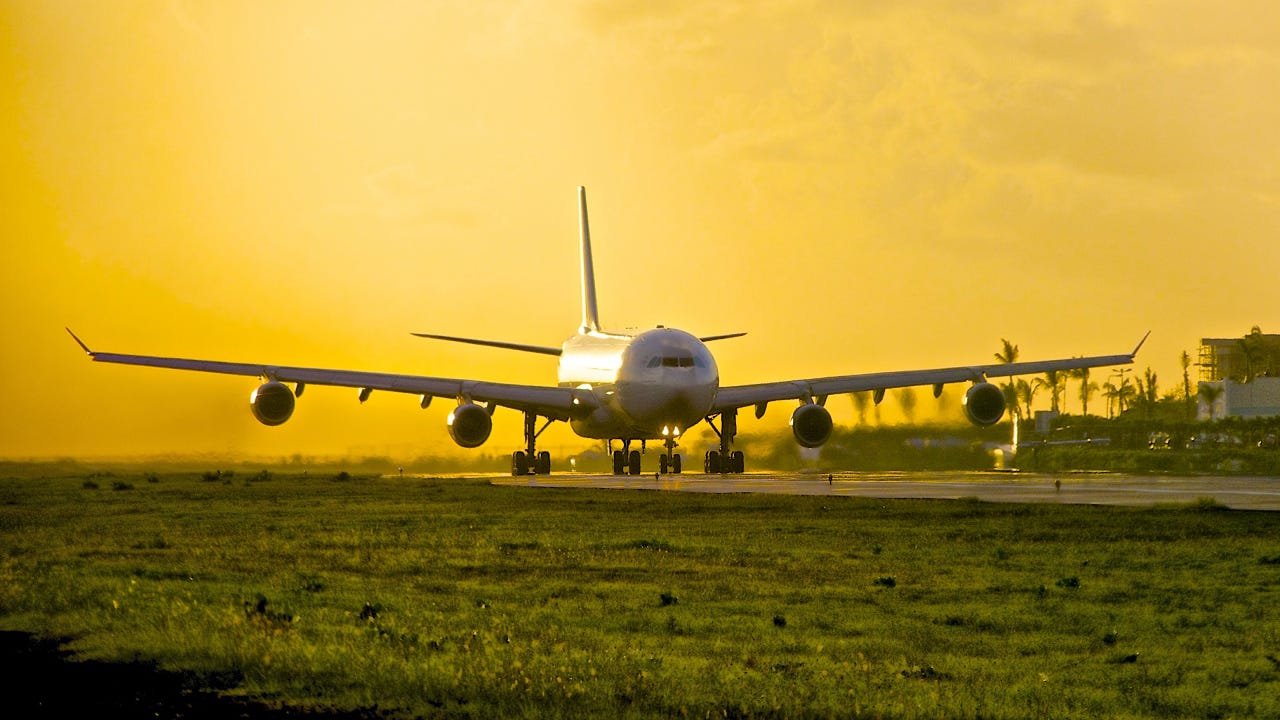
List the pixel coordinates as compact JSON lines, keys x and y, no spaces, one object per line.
{"x":553,"y":402}
{"x":737,"y":396}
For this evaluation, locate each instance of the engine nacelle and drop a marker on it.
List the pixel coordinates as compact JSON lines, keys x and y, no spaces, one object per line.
{"x":272,"y":403}
{"x":469,"y":425}
{"x":811,"y":425}
{"x":983,"y":404}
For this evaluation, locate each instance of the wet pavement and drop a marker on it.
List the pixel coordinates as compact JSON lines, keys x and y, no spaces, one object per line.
{"x":1245,"y":493}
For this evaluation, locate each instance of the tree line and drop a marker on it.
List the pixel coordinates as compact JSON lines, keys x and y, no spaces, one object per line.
{"x":1138,"y":396}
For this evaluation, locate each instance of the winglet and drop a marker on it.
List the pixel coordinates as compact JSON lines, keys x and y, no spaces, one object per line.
{"x":1140,"y":343}
{"x":79,"y":342}
{"x":590,"y":315}
{"x":726,"y":336}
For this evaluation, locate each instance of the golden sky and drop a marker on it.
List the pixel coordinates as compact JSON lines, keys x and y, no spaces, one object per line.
{"x":862,"y":186}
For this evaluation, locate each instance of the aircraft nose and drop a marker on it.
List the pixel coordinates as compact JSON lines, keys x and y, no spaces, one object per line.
{"x":670,"y":407}
{"x":678,"y":406}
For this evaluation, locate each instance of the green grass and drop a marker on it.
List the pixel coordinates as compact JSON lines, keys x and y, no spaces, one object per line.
{"x":455,"y":598}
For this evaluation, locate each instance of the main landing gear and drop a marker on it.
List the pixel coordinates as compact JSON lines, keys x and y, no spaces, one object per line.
{"x":626,"y":461}
{"x":530,"y":461}
{"x":724,"y":460}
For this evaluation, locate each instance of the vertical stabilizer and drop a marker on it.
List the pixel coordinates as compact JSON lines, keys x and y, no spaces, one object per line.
{"x":590,"y":316}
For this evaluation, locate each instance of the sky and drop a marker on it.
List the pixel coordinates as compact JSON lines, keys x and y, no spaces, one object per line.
{"x":861,"y":186}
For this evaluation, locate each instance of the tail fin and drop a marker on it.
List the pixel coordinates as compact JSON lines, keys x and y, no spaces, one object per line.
{"x":590,"y":315}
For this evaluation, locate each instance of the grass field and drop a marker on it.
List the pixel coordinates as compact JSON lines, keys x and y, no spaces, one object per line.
{"x":453,"y":598}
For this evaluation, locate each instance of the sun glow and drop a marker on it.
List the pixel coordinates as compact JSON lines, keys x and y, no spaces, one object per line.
{"x":897,"y":187}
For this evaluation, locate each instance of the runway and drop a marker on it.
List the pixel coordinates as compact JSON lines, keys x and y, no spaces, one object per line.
{"x":1243,"y":493}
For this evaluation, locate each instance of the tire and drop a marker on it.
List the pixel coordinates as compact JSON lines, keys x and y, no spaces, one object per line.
{"x":519,"y":463}
{"x":634,"y":465}
{"x":662,"y":464}
{"x":738,"y":462}
{"x":712,"y":465}
{"x":675,"y":464}
{"x":619,"y":462}
{"x":544,"y":463}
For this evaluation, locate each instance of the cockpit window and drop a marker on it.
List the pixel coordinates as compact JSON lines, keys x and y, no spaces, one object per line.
{"x":677,"y":361}
{"x":655,"y":361}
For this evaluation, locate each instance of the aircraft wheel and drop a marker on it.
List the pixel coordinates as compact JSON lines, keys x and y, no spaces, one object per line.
{"x":739,"y":462}
{"x":634,"y":465}
{"x":619,"y":462}
{"x":544,"y":463}
{"x":662,"y":464}
{"x":519,"y":463}
{"x":712,"y":464}
{"x":675,"y":464}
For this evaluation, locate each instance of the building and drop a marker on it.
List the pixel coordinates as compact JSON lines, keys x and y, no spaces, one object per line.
{"x":1260,"y":398}
{"x":1239,"y":358}
{"x":1242,"y":374}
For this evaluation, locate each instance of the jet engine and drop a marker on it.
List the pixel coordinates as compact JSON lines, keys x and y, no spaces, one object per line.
{"x":272,"y":403}
{"x":469,"y":425}
{"x":811,"y":425}
{"x":983,"y":404}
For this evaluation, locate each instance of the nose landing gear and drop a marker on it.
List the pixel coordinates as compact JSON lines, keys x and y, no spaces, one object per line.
{"x":669,"y":461}
{"x":627,"y":461}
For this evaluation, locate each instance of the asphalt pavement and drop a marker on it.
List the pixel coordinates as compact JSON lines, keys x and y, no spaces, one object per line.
{"x":1244,"y":493}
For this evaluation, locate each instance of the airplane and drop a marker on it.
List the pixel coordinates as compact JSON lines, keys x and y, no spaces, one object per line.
{"x":626,"y":386}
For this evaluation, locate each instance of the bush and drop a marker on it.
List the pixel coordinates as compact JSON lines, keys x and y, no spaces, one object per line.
{"x":257,"y":609}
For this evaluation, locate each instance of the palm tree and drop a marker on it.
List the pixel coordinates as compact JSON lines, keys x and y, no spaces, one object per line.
{"x":1118,"y":396}
{"x":1009,"y":355}
{"x":1210,"y":394}
{"x":1125,"y":393}
{"x":1087,"y":389}
{"x":1147,"y":394}
{"x":1253,"y":353}
{"x":1110,"y":392}
{"x":1121,"y":393}
{"x":1185,"y":360}
{"x":1026,"y":393}
{"x":1055,"y":381}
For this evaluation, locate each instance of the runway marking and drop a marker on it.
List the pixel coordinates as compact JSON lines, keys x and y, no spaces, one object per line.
{"x":1246,"y":493}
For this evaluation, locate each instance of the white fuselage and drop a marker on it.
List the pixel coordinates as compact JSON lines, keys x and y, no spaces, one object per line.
{"x":652,"y":385}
